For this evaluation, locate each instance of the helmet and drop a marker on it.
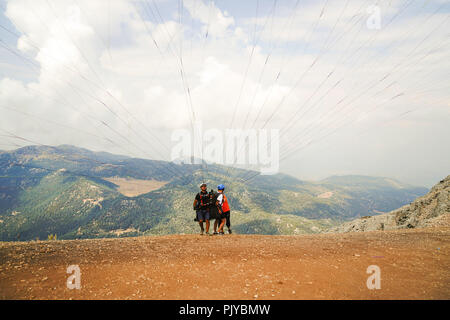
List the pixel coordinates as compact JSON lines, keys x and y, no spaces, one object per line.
{"x":203,"y":185}
{"x":220,"y":187}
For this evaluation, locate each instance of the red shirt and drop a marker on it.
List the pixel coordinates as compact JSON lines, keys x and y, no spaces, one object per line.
{"x":224,"y":202}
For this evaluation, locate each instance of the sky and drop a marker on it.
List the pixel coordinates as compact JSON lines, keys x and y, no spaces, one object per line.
{"x":354,"y":86}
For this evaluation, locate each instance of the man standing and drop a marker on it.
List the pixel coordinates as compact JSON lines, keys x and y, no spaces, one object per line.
{"x":224,"y":209}
{"x":201,"y":205}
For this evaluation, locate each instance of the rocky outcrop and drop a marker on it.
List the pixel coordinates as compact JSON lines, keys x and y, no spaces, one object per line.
{"x":430,"y":210}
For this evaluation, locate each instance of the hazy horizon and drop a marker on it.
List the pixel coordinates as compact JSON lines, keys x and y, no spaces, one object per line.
{"x":300,"y":178}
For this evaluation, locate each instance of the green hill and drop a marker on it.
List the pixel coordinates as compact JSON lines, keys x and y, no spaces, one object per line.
{"x":71,"y":192}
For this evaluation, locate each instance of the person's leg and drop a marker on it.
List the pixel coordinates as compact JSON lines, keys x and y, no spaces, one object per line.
{"x":206,"y":218}
{"x":228,"y":222}
{"x":200,"y":220}
{"x":216,"y":222}
{"x":222,"y":223}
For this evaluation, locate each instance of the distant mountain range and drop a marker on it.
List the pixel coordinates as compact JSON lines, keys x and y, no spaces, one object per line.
{"x":76,"y":193}
{"x":433,"y":209}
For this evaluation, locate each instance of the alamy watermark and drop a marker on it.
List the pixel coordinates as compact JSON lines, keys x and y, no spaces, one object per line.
{"x":74,"y":280}
{"x":374,"y":281}
{"x":374,"y":20}
{"x":229,"y":147}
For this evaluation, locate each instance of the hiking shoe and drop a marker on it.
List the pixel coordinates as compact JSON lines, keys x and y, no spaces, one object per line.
{"x":201,"y":233}
{"x":215,"y":233}
{"x":229,"y":231}
{"x":221,"y":233}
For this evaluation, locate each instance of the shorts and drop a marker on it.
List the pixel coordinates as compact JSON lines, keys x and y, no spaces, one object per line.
{"x":202,"y":215}
{"x":225,"y":215}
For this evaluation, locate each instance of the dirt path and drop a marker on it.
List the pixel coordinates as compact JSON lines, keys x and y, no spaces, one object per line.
{"x":414,"y":264}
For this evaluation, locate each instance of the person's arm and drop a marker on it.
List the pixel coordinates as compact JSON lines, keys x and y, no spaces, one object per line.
{"x":219,"y":200}
{"x":197,"y":198}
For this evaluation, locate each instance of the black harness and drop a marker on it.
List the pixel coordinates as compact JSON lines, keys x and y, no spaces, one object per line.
{"x":204,"y":200}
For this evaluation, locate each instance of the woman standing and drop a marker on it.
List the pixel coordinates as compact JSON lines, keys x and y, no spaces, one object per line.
{"x":224,"y":208}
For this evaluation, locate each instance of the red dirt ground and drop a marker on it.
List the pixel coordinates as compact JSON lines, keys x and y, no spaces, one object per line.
{"x":414,"y":265}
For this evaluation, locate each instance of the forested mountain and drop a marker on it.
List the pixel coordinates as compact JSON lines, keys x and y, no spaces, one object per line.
{"x":76,"y":193}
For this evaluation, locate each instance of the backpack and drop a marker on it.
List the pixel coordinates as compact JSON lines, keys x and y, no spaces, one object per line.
{"x":213,"y":209}
{"x":213,"y":198}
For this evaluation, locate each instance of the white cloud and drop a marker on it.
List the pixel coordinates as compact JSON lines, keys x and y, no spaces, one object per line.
{"x":100,"y":58}
{"x":215,"y":22}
